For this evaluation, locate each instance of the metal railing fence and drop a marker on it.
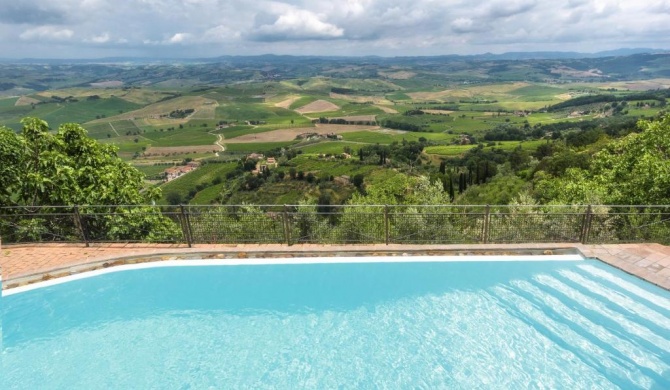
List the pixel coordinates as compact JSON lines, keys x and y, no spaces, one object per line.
{"x":328,"y":224}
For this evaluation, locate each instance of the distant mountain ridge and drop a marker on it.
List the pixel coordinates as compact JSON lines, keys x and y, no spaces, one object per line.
{"x":535,"y":55}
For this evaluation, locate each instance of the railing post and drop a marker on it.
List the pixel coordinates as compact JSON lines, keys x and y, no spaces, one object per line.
{"x":487,"y":222}
{"x":80,"y":222}
{"x":387,"y":236}
{"x":287,"y":226}
{"x":586,"y":225}
{"x":186,"y":225}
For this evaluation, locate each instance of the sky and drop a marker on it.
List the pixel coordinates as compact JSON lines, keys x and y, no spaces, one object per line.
{"x":211,"y":28}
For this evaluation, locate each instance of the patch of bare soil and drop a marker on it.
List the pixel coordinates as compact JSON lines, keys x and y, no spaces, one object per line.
{"x":287,"y":103}
{"x":360,"y":98}
{"x":167,"y":150}
{"x":318,"y":106}
{"x":400,"y":75}
{"x":438,"y":112}
{"x":26,"y":101}
{"x":566,"y":71}
{"x":358,"y":118}
{"x":564,"y":96}
{"x":645,"y":85}
{"x":285,"y":135}
{"x":387,"y":110}
{"x":107,"y":84}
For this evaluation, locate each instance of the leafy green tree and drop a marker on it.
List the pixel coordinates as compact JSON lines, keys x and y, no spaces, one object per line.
{"x":365,"y":222}
{"x":501,"y":189}
{"x":67,"y":168}
{"x":632,"y":170}
{"x":518,"y":158}
{"x":358,"y":180}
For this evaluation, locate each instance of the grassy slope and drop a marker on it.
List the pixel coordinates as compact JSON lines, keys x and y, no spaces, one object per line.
{"x":456,"y":150}
{"x":203,"y":175}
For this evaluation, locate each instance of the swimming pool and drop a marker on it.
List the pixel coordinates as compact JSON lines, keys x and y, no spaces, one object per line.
{"x":394,"y":322}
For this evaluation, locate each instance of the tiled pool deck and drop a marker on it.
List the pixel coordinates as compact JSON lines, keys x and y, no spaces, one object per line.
{"x":28,"y":263}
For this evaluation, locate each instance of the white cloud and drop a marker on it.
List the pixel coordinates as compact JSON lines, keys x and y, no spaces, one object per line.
{"x":385,"y":27}
{"x":103,"y":38}
{"x":50,"y":33}
{"x":465,"y":25}
{"x":297,"y":24}
{"x":179,"y":38}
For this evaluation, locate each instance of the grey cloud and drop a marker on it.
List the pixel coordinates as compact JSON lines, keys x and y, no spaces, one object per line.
{"x":571,"y":4}
{"x":23,"y":12}
{"x":507,"y":8}
{"x":387,"y":27}
{"x":662,"y":6}
{"x":467,"y":25}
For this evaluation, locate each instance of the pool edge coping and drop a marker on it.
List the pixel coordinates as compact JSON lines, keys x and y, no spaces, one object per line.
{"x":72,"y":269}
{"x":587,"y":252}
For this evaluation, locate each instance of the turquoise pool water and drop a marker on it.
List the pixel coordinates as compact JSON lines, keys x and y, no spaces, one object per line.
{"x":461,"y":325}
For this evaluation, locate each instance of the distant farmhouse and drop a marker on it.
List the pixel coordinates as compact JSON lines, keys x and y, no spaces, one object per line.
{"x":263,"y":164}
{"x":179,"y":170}
{"x":317,"y":136}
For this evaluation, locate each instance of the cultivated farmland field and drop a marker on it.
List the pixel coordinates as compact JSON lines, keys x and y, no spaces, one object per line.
{"x":421,"y":114}
{"x":457,"y":150}
{"x":286,"y":135}
{"x":317,"y":106}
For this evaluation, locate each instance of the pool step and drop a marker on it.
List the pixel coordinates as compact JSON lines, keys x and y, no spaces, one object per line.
{"x":581,"y":347}
{"x":581,"y":310}
{"x":650,"y":298}
{"x":631,"y":326}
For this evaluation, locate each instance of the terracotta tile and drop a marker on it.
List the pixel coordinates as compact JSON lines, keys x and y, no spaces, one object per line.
{"x":656,"y":256}
{"x":639,"y":251}
{"x":653,"y":260}
{"x":643,"y":263}
{"x":665,"y":262}
{"x":662,"y":249}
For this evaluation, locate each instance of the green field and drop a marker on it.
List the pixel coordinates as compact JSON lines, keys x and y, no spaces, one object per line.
{"x":329,"y":147}
{"x":260,"y":112}
{"x":121,"y":128}
{"x":208,"y":195}
{"x":257,"y":146}
{"x":532,"y":93}
{"x":82,"y":111}
{"x":457,"y":150}
{"x":283,"y":192}
{"x":332,"y":167}
{"x":186,"y":137}
{"x":7,"y":102}
{"x":348,"y":109}
{"x":470,"y":99}
{"x":388,"y":137}
{"x":303,"y":101}
{"x":151,"y":170}
{"x":201,"y":176}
